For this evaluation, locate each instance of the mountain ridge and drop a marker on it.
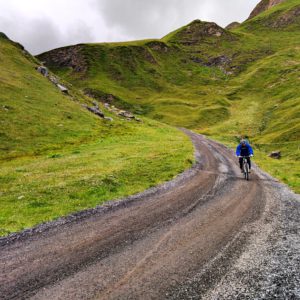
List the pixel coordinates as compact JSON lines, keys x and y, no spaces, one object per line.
{"x":264,"y":5}
{"x":203,"y":77}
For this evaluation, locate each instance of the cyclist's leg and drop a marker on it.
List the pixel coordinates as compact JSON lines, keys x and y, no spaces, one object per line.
{"x":249,"y":162}
{"x":241,"y":163}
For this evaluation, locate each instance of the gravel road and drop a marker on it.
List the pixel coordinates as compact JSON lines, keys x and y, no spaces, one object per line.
{"x":208,"y":234}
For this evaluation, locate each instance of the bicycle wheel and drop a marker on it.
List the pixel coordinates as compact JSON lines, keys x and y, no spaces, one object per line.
{"x":246,"y":171}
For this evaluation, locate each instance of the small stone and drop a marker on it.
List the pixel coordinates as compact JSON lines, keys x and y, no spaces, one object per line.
{"x":53,"y":79}
{"x":43,"y":70}
{"x":108,"y":119}
{"x":275,"y":154}
{"x":62,"y":88}
{"x":21,"y":197}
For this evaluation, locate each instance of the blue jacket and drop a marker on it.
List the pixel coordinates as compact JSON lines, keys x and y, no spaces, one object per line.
{"x":247,"y":151}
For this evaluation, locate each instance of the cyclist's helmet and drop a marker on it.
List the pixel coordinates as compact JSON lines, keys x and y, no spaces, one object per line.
{"x":243,"y":142}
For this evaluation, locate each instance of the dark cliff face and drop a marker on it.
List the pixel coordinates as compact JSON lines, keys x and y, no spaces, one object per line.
{"x":263,"y":6}
{"x":65,"y":57}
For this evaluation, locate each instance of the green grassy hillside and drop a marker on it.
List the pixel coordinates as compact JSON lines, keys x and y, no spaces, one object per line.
{"x":224,"y":83}
{"x":56,"y":157}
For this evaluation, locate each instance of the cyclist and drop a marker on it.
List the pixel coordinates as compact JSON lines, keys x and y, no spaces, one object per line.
{"x":244,"y":150}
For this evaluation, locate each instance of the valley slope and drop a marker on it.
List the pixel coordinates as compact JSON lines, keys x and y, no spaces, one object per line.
{"x":58,"y":158}
{"x":223,"y":83}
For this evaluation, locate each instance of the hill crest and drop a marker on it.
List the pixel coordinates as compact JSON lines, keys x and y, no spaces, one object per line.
{"x":264,"y":5}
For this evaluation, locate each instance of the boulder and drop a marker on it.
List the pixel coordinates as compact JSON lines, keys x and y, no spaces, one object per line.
{"x":96,"y":111}
{"x":126,"y":114}
{"x":275,"y":154}
{"x":62,"y":88}
{"x":108,"y":119}
{"x":43,"y":70}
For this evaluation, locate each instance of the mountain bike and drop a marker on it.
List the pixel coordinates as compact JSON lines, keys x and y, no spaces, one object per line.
{"x":245,"y":167}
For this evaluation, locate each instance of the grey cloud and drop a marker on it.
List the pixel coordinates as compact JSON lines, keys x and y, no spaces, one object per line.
{"x":39,"y":35}
{"x":228,"y":11}
{"x":141,"y":19}
{"x":155,"y":18}
{"x":40,"y":29}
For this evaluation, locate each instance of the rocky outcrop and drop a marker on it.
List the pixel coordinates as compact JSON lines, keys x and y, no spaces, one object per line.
{"x":100,"y":96}
{"x":95,"y":110}
{"x":158,"y":46}
{"x":279,"y":19}
{"x":263,"y":6}
{"x":65,"y":57}
{"x":287,"y":18}
{"x":199,"y":31}
{"x":232,"y":25}
{"x":222,"y":62}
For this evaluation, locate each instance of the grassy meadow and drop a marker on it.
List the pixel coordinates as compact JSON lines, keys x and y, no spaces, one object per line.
{"x":57,"y":158}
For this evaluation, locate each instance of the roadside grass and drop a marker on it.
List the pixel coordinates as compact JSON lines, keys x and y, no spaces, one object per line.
{"x":43,"y":188}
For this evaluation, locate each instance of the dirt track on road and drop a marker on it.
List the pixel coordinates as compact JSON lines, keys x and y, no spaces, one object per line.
{"x":144,"y":247}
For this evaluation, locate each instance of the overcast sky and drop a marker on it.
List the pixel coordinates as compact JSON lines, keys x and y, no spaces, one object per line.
{"x":42,"y":25}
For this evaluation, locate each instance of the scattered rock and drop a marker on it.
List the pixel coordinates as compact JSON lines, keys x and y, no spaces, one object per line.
{"x":43,"y":70}
{"x":6,"y":107}
{"x":126,"y":114}
{"x":101,"y":96}
{"x":108,"y":100}
{"x":95,"y":110}
{"x":108,"y":119}
{"x":223,"y":62}
{"x":275,"y":154}
{"x":62,"y":88}
{"x":53,"y":79}
{"x":219,"y":61}
{"x":21,"y":197}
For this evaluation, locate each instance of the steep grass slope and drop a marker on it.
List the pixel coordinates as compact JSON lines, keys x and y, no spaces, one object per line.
{"x":225,"y":83}
{"x":56,"y":157}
